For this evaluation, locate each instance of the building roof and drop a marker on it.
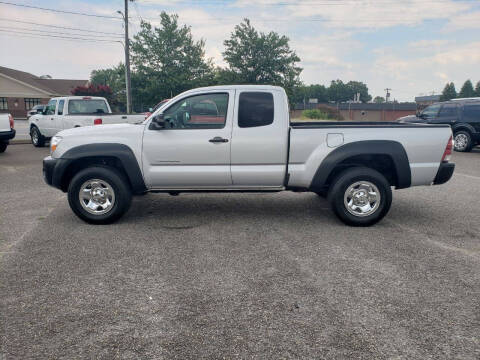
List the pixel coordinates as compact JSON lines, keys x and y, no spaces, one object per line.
{"x":427,"y":98}
{"x":51,"y":86}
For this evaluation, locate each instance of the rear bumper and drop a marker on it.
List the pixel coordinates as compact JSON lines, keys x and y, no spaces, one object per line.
{"x":7,"y":135}
{"x":444,"y":173}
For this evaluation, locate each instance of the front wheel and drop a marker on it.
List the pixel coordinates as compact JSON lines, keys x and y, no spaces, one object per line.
{"x":360,"y":196}
{"x":463,"y":141}
{"x":3,"y":146}
{"x":99,"y":195}
{"x":38,"y":140}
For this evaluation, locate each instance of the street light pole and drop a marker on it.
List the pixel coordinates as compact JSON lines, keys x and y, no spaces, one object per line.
{"x":128,"y":82}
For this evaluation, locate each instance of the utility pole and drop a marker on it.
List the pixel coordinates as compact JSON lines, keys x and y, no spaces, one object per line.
{"x":128,"y":82}
{"x":387,"y":95}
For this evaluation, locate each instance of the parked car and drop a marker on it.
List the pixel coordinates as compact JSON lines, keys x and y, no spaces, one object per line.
{"x":7,"y":131}
{"x":71,"y":112}
{"x":37,"y":109}
{"x":247,"y":145}
{"x":463,"y":115}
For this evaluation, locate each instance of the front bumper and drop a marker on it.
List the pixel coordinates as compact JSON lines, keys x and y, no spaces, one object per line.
{"x":444,"y":173}
{"x":48,"y":169}
{"x":7,"y":135}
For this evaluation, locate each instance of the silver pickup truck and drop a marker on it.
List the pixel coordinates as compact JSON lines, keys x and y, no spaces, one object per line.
{"x":240,"y":139}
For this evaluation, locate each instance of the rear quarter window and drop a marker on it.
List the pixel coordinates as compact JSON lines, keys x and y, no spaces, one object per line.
{"x":471,"y":112}
{"x":255,"y":109}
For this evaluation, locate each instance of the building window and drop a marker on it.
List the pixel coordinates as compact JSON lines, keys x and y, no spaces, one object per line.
{"x":3,"y":103}
{"x":30,"y":103}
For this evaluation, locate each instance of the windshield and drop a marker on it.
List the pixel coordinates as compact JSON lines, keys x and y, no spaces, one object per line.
{"x":85,"y":106}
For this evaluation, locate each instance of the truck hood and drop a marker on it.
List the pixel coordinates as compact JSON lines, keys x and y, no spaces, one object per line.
{"x":127,"y":134}
{"x":410,"y":119}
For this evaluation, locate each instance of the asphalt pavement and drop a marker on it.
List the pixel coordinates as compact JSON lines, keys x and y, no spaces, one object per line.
{"x":263,"y":276}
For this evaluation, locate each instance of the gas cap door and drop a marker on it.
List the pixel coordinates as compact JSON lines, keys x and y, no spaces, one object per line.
{"x":334,"y":140}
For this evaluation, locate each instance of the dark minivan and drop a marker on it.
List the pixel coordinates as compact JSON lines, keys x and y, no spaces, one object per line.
{"x":463,"y":115}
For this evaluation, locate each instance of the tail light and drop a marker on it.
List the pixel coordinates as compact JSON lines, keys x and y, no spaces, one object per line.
{"x":97,"y":121}
{"x":10,"y":119}
{"x":448,"y":151}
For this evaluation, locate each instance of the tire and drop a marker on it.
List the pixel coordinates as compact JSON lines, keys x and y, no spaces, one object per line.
{"x":3,"y":146}
{"x":359,"y":181}
{"x":463,"y":141}
{"x":111,"y":200}
{"x":38,"y":140}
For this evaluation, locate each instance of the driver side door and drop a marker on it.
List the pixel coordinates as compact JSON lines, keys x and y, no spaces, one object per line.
{"x":193,"y":150}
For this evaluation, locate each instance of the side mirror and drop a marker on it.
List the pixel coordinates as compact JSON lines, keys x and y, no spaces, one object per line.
{"x":150,"y":109}
{"x":158,"y":122}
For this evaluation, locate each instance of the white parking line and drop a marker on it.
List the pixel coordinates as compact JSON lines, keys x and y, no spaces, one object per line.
{"x":469,"y":176}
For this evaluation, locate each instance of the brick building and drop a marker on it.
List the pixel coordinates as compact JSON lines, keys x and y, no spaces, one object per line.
{"x":363,"y":111}
{"x":20,"y":91}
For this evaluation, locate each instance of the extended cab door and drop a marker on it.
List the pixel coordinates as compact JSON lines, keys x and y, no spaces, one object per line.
{"x":193,"y":150}
{"x":260,"y":139}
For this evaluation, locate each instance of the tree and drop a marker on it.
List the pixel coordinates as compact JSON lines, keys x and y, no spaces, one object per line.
{"x":466,"y":90}
{"x":477,"y":89}
{"x":355,"y":87}
{"x":341,"y":92}
{"x":448,"y":92}
{"x":114,"y":78}
{"x":93,"y":90}
{"x":166,"y":61}
{"x":379,"y":99}
{"x":258,"y":58}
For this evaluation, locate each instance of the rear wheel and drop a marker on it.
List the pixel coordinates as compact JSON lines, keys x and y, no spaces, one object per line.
{"x":463,"y":141}
{"x":3,"y":146}
{"x":99,"y":195}
{"x":38,"y":140}
{"x":360,"y":196}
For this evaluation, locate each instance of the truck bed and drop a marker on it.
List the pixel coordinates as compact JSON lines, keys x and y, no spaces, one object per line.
{"x":360,"y":124}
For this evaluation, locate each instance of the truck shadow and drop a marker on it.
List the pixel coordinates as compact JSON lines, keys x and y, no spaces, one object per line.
{"x":193,"y":210}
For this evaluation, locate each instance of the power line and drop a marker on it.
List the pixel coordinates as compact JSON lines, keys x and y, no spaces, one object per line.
{"x":60,"y":27}
{"x":55,"y":32}
{"x":58,"y":36}
{"x":59,"y":11}
{"x":310,"y":3}
{"x":43,"y":38}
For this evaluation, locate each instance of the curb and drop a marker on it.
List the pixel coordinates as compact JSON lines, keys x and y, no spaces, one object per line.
{"x":19,"y":141}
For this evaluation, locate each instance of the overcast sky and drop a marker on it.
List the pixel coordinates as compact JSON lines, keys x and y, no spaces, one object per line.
{"x":411,"y":46}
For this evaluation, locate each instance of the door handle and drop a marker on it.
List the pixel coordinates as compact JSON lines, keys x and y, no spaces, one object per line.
{"x":218,"y":139}
{"x":51,"y":118}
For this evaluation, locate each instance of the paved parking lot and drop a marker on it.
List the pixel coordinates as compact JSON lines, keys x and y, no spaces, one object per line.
{"x":238,"y":276}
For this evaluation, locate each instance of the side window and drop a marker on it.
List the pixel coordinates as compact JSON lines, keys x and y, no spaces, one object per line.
{"x":448,"y":110}
{"x":471,"y":113}
{"x":60,"y":107}
{"x":51,"y":107}
{"x":208,"y":111}
{"x":255,"y":109}
{"x":431,"y":111}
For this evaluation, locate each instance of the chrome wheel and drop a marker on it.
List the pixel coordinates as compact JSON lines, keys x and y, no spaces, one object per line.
{"x":461,"y":142}
{"x":97,"y":196}
{"x":362,"y":198}
{"x":34,"y":135}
